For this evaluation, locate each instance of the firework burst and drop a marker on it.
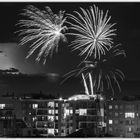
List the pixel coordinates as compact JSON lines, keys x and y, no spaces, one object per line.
{"x":92,"y":30}
{"x":101,"y":72}
{"x":43,"y":29}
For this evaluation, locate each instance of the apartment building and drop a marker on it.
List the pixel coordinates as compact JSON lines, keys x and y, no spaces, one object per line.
{"x":123,"y":118}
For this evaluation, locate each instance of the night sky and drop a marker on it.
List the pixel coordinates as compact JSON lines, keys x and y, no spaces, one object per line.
{"x":126,"y":15}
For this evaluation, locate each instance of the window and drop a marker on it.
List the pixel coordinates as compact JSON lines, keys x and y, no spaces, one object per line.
{"x":51,"y":111}
{"x":2,"y":106}
{"x":110,"y":122}
{"x":51,"y":131}
{"x":121,"y":113}
{"x":56,"y":111}
{"x":116,"y":121}
{"x":121,"y":122}
{"x":129,"y":129}
{"x":130,"y":115}
{"x":71,"y":111}
{"x":116,"y":114}
{"x":66,"y":112}
{"x":56,"y":117}
{"x":110,"y":129}
{"x":35,"y":106}
{"x":121,"y":106}
{"x":82,"y":112}
{"x":56,"y":130}
{"x":34,"y":118}
{"x":77,"y":111}
{"x":116,"y":106}
{"x":110,"y":106}
{"x":51,"y":118}
{"x":137,"y":114}
{"x":56,"y":104}
{"x":50,"y":104}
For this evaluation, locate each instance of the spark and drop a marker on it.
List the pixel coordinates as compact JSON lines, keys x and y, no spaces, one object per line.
{"x":101,"y":73}
{"x":43,"y":30}
{"x":92,"y":30}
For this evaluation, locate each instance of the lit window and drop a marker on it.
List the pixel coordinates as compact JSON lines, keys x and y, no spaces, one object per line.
{"x":2,"y":106}
{"x":129,"y":129}
{"x":71,"y":111}
{"x":56,"y":117}
{"x":35,"y":106}
{"x":45,"y":125}
{"x":51,"y":111}
{"x":34,"y":118}
{"x":50,"y":104}
{"x":50,"y":131}
{"x":110,"y":122}
{"x":137,"y":114}
{"x":51,"y":118}
{"x":110,"y":106}
{"x":56,"y":130}
{"x":102,"y":112}
{"x":116,"y":114}
{"x":82,"y":112}
{"x":67,"y":112}
{"x":56,"y":111}
{"x":56,"y":105}
{"x":130,"y":115}
{"x":116,"y":106}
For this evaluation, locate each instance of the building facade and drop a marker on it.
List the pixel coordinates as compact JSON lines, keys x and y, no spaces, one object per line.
{"x":123,"y":118}
{"x":51,"y":117}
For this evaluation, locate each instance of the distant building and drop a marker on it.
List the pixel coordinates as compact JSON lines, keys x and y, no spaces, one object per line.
{"x":123,"y":118}
{"x":51,"y":117}
{"x":9,"y":111}
{"x":43,"y":116}
{"x":61,"y":117}
{"x":84,"y":112}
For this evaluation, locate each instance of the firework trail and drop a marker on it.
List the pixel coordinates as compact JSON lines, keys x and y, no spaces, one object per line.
{"x":43,"y":30}
{"x":92,"y":30}
{"x":102,"y":72}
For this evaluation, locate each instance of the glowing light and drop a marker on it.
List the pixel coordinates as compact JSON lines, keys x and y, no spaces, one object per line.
{"x":35,"y":106}
{"x":51,"y":118}
{"x":60,"y":98}
{"x":110,"y":122}
{"x":130,"y":115}
{"x":51,"y":131}
{"x":102,"y":112}
{"x":56,"y":117}
{"x":51,"y":111}
{"x":103,"y":73}
{"x":56,"y":105}
{"x":43,"y":29}
{"x":56,"y":111}
{"x":93,"y":31}
{"x":82,"y":112}
{"x":50,"y":104}
{"x":80,"y":97}
{"x":2,"y":106}
{"x":91,"y":83}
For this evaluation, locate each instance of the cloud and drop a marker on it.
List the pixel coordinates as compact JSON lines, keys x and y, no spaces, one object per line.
{"x":9,"y":71}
